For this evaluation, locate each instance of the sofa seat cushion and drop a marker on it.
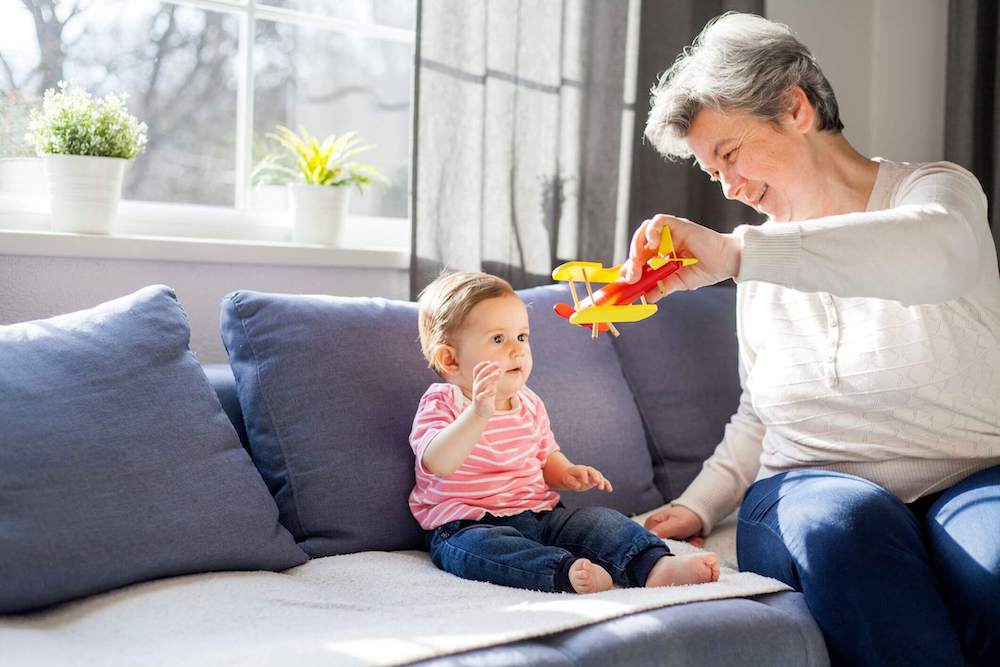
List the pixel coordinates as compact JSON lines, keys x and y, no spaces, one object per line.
{"x":328,"y":387}
{"x":392,"y":608}
{"x":117,"y":463}
{"x":771,"y":629}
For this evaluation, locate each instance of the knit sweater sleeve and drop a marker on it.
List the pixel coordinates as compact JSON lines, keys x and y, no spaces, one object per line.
{"x":725,"y":476}
{"x":928,"y":246}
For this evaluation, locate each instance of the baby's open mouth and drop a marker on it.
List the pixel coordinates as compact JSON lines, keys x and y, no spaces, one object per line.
{"x":514,"y":370}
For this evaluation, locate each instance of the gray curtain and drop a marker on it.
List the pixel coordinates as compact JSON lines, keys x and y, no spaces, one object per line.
{"x":972,"y":106}
{"x":678,"y":188}
{"x":520,"y":109}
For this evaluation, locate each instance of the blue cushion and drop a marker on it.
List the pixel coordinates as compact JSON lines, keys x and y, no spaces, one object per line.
{"x":117,"y":464}
{"x":593,"y":413}
{"x":682,"y":366}
{"x":329,"y":385}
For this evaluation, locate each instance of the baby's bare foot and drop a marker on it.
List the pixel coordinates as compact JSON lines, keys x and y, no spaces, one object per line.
{"x":697,"y":568}
{"x":588,"y":577}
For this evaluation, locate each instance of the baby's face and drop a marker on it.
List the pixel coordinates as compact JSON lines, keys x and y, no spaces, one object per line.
{"x":495,"y":330}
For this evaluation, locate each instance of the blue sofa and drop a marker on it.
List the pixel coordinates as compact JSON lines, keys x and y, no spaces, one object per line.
{"x":646,"y":408}
{"x":320,"y":392}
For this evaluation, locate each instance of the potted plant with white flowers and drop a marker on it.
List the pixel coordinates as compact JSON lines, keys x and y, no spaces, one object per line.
{"x":85,"y":144}
{"x":319,"y":175}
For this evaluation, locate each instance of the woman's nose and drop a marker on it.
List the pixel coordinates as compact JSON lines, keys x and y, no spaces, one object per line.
{"x":733,"y":185}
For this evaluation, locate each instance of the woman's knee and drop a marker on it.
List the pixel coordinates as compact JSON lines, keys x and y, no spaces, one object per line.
{"x":820,"y":505}
{"x":828,"y":522}
{"x":966,"y":558}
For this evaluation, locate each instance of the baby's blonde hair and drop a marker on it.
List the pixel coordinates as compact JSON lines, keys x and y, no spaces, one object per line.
{"x":446,"y":302}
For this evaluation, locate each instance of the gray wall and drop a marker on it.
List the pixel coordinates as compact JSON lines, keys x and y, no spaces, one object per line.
{"x":38,"y":287}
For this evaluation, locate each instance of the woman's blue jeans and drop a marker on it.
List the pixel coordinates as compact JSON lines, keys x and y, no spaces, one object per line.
{"x":532,"y":549}
{"x":888,"y":583}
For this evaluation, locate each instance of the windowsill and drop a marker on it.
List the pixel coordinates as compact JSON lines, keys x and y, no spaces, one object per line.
{"x":178,"y":249}
{"x":157,"y":232}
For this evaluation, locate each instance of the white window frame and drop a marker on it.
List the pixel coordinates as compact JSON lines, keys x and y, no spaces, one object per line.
{"x":25,"y":219}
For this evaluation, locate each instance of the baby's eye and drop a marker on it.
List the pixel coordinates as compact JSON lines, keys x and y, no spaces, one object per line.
{"x":498,"y":339}
{"x":522,"y":337}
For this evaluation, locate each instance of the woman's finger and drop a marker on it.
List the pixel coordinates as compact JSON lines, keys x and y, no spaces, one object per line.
{"x":639,"y":253}
{"x":654,"y":231}
{"x":657,"y":517}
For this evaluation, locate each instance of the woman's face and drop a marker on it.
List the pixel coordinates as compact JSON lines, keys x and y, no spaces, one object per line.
{"x":761,"y":164}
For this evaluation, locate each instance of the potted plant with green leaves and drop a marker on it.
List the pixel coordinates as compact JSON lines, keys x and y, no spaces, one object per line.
{"x":319,"y":175}
{"x":85,"y":143}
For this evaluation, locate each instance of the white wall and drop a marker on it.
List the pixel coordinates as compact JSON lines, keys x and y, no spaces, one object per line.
{"x":39,"y":287}
{"x":886,"y":61}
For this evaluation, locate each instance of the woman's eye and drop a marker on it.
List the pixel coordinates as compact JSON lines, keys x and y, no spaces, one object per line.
{"x":498,"y":338}
{"x":728,"y":157}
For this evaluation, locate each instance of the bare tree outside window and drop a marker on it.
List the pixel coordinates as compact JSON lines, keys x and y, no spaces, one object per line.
{"x":179,"y":65}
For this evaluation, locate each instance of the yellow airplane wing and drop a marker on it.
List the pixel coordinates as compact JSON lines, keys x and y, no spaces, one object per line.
{"x":604,"y":314}
{"x":586,"y":272}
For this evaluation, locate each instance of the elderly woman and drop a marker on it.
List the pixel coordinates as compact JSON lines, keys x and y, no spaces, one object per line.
{"x":864,"y":453}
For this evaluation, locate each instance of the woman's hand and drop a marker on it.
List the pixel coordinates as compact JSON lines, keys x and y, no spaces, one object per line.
{"x":718,"y":254}
{"x":583,"y":478}
{"x":676,"y":522}
{"x":485,"y":379}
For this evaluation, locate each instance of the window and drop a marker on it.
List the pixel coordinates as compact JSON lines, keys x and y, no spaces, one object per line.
{"x":211,"y":78}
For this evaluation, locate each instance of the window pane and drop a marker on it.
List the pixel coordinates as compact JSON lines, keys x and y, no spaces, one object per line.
{"x":177,"y":65}
{"x":393,"y":13}
{"x":332,"y":83}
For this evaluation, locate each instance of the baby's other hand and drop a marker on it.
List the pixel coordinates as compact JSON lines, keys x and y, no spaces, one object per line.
{"x":583,"y":478}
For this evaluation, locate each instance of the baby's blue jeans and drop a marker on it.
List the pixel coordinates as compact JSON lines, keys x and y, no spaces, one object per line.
{"x":888,"y":583}
{"x":534,"y":550}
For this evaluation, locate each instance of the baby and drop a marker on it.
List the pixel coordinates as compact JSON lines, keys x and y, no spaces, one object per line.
{"x":487,"y":462}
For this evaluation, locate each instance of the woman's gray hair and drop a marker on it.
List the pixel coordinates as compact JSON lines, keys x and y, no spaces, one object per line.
{"x":740,"y":62}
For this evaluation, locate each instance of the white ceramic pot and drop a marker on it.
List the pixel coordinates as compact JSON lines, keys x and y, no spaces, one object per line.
{"x":319,"y":213}
{"x":84,"y":191}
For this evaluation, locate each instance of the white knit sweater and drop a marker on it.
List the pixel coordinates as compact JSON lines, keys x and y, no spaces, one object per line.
{"x":869,"y":344}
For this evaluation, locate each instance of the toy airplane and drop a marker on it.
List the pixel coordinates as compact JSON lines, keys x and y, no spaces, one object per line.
{"x":613,"y":302}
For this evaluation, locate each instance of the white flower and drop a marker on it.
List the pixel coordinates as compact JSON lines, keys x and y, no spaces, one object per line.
{"x":71,"y":122}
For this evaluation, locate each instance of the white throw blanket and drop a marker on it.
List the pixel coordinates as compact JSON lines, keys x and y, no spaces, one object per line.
{"x":373,"y":608}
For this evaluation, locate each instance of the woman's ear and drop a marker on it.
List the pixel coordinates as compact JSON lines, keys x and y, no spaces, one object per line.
{"x":802,"y":115}
{"x":446,"y":359}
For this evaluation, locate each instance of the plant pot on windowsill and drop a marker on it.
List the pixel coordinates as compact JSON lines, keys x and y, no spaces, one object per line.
{"x":84,"y":144}
{"x":319,"y":212}
{"x":84,"y":191}
{"x":320,"y":177}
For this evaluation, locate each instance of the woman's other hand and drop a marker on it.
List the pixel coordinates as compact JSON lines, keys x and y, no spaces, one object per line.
{"x":718,"y":254}
{"x":677,"y":523}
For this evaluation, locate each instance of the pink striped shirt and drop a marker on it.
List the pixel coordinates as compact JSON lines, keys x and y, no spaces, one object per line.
{"x":502,"y":474}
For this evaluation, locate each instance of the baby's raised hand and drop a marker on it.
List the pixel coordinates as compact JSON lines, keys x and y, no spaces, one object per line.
{"x":582,"y":478}
{"x":485,"y":378}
